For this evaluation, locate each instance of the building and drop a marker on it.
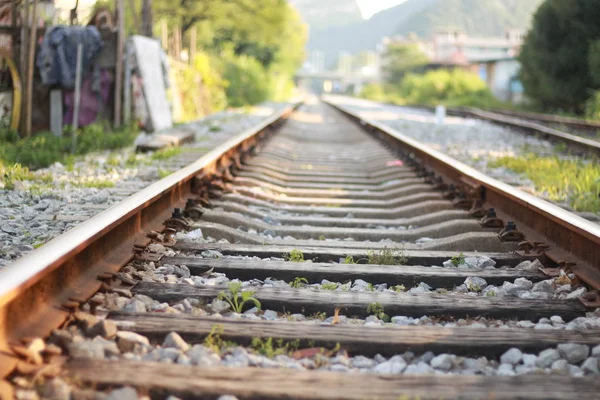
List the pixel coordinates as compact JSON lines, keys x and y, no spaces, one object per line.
{"x":458,"y":45}
{"x":502,"y":77}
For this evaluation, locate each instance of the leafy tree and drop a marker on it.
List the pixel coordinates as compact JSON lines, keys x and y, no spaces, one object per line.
{"x":401,"y":58}
{"x":556,"y":64}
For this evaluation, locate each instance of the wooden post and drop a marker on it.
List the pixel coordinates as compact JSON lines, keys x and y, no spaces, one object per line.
{"x":30,"y":60}
{"x":56,"y":112}
{"x":177,"y":43}
{"x":120,"y":7}
{"x":78,"y":73}
{"x":127,"y":83}
{"x":192,"y":45}
{"x":136,"y":20}
{"x":147,"y":25}
{"x":164,"y":35}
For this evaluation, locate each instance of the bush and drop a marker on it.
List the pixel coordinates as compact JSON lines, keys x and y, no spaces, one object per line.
{"x":375,"y":92}
{"x":454,"y":88}
{"x":247,"y":81}
{"x":592,"y":107}
{"x":201,"y":88}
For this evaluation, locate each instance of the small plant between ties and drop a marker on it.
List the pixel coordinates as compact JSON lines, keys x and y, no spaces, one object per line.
{"x":237,"y":299}
{"x":387,"y":256}
{"x":299,"y":282}
{"x":458,"y":260}
{"x":376,"y":309}
{"x":294,"y":256}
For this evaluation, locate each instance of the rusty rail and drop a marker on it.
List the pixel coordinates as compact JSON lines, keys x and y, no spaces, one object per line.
{"x":571,"y":239}
{"x":38,"y":291}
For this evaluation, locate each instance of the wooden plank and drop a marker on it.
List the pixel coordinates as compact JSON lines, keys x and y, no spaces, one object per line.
{"x":367,"y":341}
{"x":414,"y":257}
{"x":170,"y":138}
{"x":258,"y":383}
{"x":356,"y":303}
{"x":315,"y":272}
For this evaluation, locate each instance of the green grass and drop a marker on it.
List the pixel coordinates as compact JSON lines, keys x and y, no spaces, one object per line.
{"x":165,"y":154}
{"x":387,"y":256}
{"x":574,"y":181}
{"x":11,"y":174}
{"x":95,"y":183}
{"x":44,"y":149}
{"x":294,"y":256}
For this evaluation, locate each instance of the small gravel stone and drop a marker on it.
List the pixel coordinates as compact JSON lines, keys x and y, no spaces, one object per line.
{"x":506,"y":370}
{"x":395,"y":366}
{"x":175,"y":341}
{"x":577,"y":293}
{"x":135,"y":306}
{"x":443,"y":362}
{"x":590,"y":365}
{"x":559,"y":365}
{"x":219,"y":306}
{"x":512,"y":356}
{"x":227,"y":397}
{"x":270,"y":315}
{"x":547,"y":357}
{"x":523,"y":283}
{"x":128,"y":341}
{"x":57,"y":389}
{"x":573,"y":353}
{"x":596,"y":351}
{"x":126,"y":393}
{"x":475,"y":284}
{"x":418,"y":369}
{"x":88,"y":350}
{"x":105,"y":328}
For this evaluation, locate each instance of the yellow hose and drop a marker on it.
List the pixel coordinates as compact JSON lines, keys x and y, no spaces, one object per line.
{"x":17,"y":89}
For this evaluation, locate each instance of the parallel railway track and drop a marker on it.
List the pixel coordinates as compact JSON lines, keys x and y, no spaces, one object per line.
{"x":383,"y":225}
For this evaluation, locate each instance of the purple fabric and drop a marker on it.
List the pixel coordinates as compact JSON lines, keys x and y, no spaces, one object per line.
{"x":89,"y":107}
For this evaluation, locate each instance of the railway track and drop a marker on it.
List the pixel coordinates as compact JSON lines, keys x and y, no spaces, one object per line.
{"x":369,"y":267}
{"x":578,"y":136}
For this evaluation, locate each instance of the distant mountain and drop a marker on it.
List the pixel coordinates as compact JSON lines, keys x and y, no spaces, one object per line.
{"x":422,"y":17}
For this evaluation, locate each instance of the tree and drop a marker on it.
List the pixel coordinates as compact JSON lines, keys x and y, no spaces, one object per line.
{"x":555,"y":58}
{"x":401,"y":58}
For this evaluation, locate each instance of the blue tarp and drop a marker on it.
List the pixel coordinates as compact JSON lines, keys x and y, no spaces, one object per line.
{"x":57,"y":57}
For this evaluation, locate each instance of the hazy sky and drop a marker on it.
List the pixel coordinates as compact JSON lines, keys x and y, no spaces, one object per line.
{"x":370,"y":7}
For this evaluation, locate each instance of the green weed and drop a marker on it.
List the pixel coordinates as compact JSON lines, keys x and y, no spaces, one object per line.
{"x":576,"y":181}
{"x":299,"y":283}
{"x":294,"y":256}
{"x":165,"y":154}
{"x":377,"y":310}
{"x":237,"y":299}
{"x":329,"y":286}
{"x":271,"y":348}
{"x":387,"y":256}
{"x":349,"y":260}
{"x":458,"y":260}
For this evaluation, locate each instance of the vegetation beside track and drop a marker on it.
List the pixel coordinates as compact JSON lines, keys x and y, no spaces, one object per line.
{"x":574,"y":181}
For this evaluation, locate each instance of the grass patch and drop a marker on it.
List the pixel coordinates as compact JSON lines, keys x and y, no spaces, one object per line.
{"x":165,"y":154}
{"x":574,"y":181}
{"x":95,"y":183}
{"x":294,"y":256}
{"x":11,"y":174}
{"x":44,"y":149}
{"x":387,"y":256}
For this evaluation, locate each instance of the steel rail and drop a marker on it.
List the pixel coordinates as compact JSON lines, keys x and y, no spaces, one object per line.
{"x":577,"y":239}
{"x":533,"y":124}
{"x":38,"y":291}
